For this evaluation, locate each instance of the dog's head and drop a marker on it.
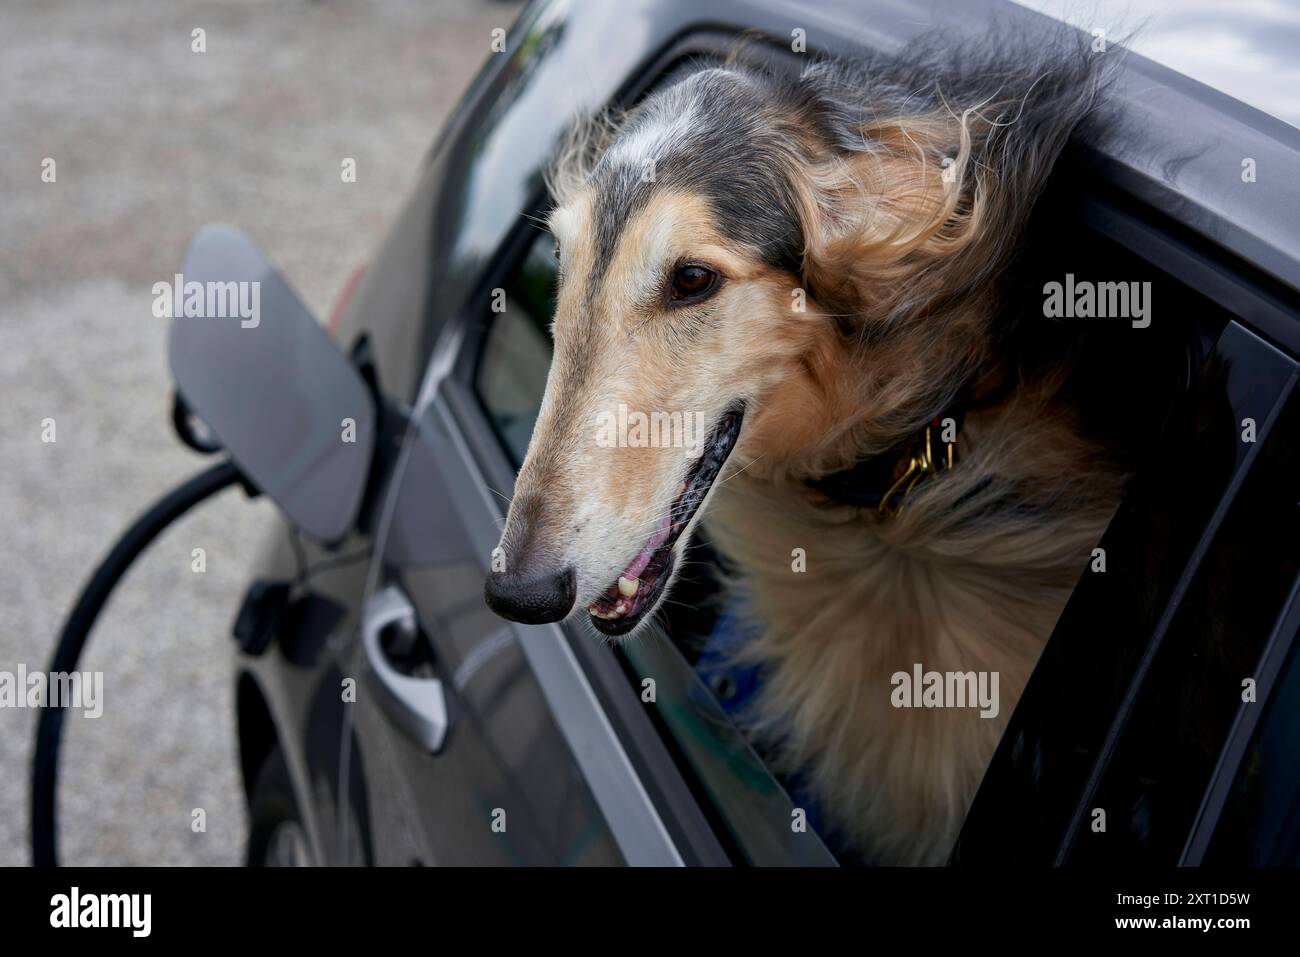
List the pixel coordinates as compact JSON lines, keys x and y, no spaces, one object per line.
{"x":717,"y":249}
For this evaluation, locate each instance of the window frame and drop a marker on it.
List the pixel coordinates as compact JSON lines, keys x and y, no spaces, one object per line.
{"x":1159,"y":664}
{"x":1282,"y":642}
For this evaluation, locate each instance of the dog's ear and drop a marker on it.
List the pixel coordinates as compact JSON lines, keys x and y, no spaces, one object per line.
{"x":917,"y":199}
{"x":907,"y":220}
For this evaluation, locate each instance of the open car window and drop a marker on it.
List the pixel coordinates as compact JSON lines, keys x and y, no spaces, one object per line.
{"x":1070,"y":739}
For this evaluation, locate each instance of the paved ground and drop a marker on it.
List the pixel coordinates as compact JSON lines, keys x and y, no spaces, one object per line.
{"x":150,"y":140}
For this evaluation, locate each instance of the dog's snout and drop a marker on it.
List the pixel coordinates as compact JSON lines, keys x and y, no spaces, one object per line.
{"x":531,"y":598}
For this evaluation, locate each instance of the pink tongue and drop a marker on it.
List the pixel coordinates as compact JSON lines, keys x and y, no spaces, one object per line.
{"x":642,"y":559}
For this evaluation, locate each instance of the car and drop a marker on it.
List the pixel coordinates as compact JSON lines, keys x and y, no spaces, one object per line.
{"x":386,"y":716}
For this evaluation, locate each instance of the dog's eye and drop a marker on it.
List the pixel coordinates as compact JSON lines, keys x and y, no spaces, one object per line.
{"x":691,"y":283}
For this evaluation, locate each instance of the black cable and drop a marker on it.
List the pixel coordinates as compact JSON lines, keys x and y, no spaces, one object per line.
{"x":49,"y":728}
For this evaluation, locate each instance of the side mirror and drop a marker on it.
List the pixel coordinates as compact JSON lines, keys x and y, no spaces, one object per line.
{"x":269,"y":382}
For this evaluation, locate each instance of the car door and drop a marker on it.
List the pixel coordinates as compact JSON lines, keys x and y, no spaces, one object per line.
{"x":464,"y":759}
{"x":465,"y":762}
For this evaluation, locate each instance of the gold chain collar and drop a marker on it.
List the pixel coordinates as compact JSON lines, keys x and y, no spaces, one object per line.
{"x":923,"y":463}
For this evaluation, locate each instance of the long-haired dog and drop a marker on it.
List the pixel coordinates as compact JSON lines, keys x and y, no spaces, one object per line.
{"x":813,"y":265}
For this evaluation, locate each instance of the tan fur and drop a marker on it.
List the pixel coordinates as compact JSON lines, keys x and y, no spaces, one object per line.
{"x":882,"y":594}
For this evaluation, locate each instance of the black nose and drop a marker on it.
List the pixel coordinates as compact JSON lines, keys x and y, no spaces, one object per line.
{"x":531,"y":599}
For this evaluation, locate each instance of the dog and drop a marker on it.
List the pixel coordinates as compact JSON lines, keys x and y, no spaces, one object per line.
{"x":815,"y":265}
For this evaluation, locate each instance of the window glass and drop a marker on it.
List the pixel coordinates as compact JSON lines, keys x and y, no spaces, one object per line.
{"x":512,"y":371}
{"x":1159,"y":769}
{"x":1260,"y":824}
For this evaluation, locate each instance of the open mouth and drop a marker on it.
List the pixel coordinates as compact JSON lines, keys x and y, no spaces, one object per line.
{"x":621,"y":606}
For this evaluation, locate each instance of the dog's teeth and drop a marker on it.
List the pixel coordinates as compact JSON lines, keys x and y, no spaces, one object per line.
{"x":619,"y":609}
{"x":627,"y":586}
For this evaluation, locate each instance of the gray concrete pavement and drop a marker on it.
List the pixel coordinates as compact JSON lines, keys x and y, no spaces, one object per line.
{"x":150,"y":140}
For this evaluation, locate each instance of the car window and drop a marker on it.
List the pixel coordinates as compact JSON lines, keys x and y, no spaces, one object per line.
{"x":752,"y":809}
{"x":699,"y":692}
{"x":1260,"y":824}
{"x":1203,"y":669}
{"x":1115,"y":739}
{"x":1143,"y":391}
{"x":1255,"y":823}
{"x":512,"y":371}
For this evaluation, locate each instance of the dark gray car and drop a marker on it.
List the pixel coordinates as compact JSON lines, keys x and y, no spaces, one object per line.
{"x":391,"y":718}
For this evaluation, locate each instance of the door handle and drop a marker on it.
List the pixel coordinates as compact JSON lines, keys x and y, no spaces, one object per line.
{"x":416,"y":705}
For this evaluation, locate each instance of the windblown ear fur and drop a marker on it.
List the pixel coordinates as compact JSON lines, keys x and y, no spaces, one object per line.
{"x":584,"y":142}
{"x":936,"y":158}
